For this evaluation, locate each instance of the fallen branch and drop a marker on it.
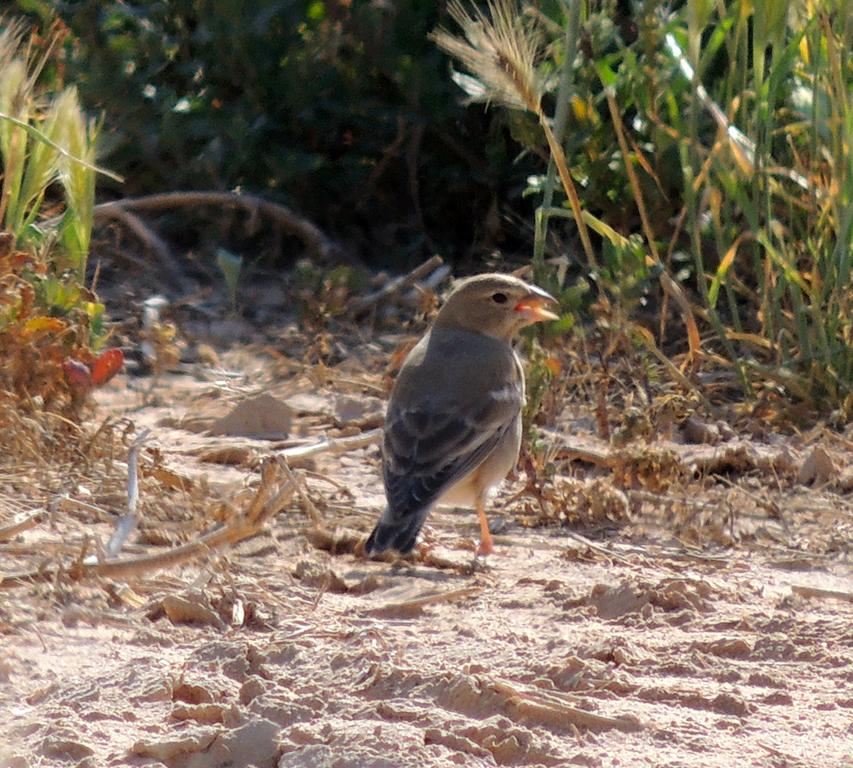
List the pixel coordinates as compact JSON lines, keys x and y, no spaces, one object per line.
{"x":734,"y":455}
{"x":29,"y":521}
{"x":150,"y":239}
{"x":818,"y":592}
{"x":362,"y":304}
{"x":415,"y":606}
{"x":314,"y":239}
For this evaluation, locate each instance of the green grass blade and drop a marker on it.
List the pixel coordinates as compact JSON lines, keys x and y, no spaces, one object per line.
{"x":35,"y":133}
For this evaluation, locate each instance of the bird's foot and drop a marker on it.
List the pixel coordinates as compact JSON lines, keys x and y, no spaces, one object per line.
{"x":479,"y":565}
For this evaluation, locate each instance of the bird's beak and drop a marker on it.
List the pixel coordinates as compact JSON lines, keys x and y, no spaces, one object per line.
{"x":532,"y":307}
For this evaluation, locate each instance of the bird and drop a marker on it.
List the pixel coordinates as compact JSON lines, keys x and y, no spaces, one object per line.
{"x":453,"y":423}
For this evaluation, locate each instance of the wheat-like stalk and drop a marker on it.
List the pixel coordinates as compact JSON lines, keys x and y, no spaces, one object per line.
{"x":79,"y":136}
{"x":500,"y":51}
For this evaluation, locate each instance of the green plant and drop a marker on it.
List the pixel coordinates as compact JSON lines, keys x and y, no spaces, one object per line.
{"x":230,"y":266}
{"x":748,"y":204}
{"x":772,"y":188}
{"x":50,"y":323}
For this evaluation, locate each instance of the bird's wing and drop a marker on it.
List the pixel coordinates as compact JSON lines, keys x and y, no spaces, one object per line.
{"x":427,"y":449}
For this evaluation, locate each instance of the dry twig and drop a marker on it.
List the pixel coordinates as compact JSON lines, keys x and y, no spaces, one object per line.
{"x":150,"y":239}
{"x":415,"y":605}
{"x":31,"y":520}
{"x":333,"y":445}
{"x":537,"y":709}
{"x":818,"y":592}
{"x":127,"y":522}
{"x":362,"y":304}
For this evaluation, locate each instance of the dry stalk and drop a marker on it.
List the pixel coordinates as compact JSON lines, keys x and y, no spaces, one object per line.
{"x":315,"y":240}
{"x":302,"y":489}
{"x":270,"y":498}
{"x":332,"y":445}
{"x":31,"y":520}
{"x":672,"y":288}
{"x":817,"y":592}
{"x":127,"y":522}
{"x":359,"y":305}
{"x":149,"y":238}
{"x":416,"y":605}
{"x":568,"y":186}
{"x":502,"y":55}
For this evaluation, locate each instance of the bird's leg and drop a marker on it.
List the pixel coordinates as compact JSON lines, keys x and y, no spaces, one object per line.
{"x":486,"y":547}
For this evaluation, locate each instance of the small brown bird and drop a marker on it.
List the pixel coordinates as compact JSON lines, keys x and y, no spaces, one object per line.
{"x":453,"y":425}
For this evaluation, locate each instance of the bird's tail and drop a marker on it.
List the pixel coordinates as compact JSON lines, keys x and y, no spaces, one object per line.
{"x":397,"y":534}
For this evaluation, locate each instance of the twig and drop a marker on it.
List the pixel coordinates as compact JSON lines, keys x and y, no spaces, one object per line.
{"x":535,"y":708}
{"x":127,"y":522}
{"x":333,"y":445}
{"x":359,"y":305}
{"x":664,"y":498}
{"x":413,"y":297}
{"x":604,"y":551}
{"x":704,"y":459}
{"x":132,"y":471}
{"x":416,"y":605}
{"x":832,"y":594}
{"x":789,"y":760}
{"x":68,"y":501}
{"x":672,"y":288}
{"x":589,"y":455}
{"x":302,"y":489}
{"x":30,"y":521}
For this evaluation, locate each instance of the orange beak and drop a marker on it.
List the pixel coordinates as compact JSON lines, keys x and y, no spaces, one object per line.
{"x":532,"y":307}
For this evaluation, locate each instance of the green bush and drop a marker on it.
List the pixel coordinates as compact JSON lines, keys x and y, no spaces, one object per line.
{"x":710,"y":142}
{"x":342,"y":110}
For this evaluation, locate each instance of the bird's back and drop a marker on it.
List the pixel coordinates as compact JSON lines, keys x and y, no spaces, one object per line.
{"x":455,"y":398}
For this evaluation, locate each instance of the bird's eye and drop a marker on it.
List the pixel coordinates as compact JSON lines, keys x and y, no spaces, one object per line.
{"x":499,"y":298}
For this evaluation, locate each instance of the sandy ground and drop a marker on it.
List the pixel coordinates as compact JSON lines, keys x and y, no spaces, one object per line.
{"x":607,"y":645}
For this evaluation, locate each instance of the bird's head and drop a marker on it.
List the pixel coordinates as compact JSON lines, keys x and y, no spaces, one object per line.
{"x":497,"y":305}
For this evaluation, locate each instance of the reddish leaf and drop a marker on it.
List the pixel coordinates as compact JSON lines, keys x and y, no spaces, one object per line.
{"x":106,"y":365}
{"x":77,"y":374}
